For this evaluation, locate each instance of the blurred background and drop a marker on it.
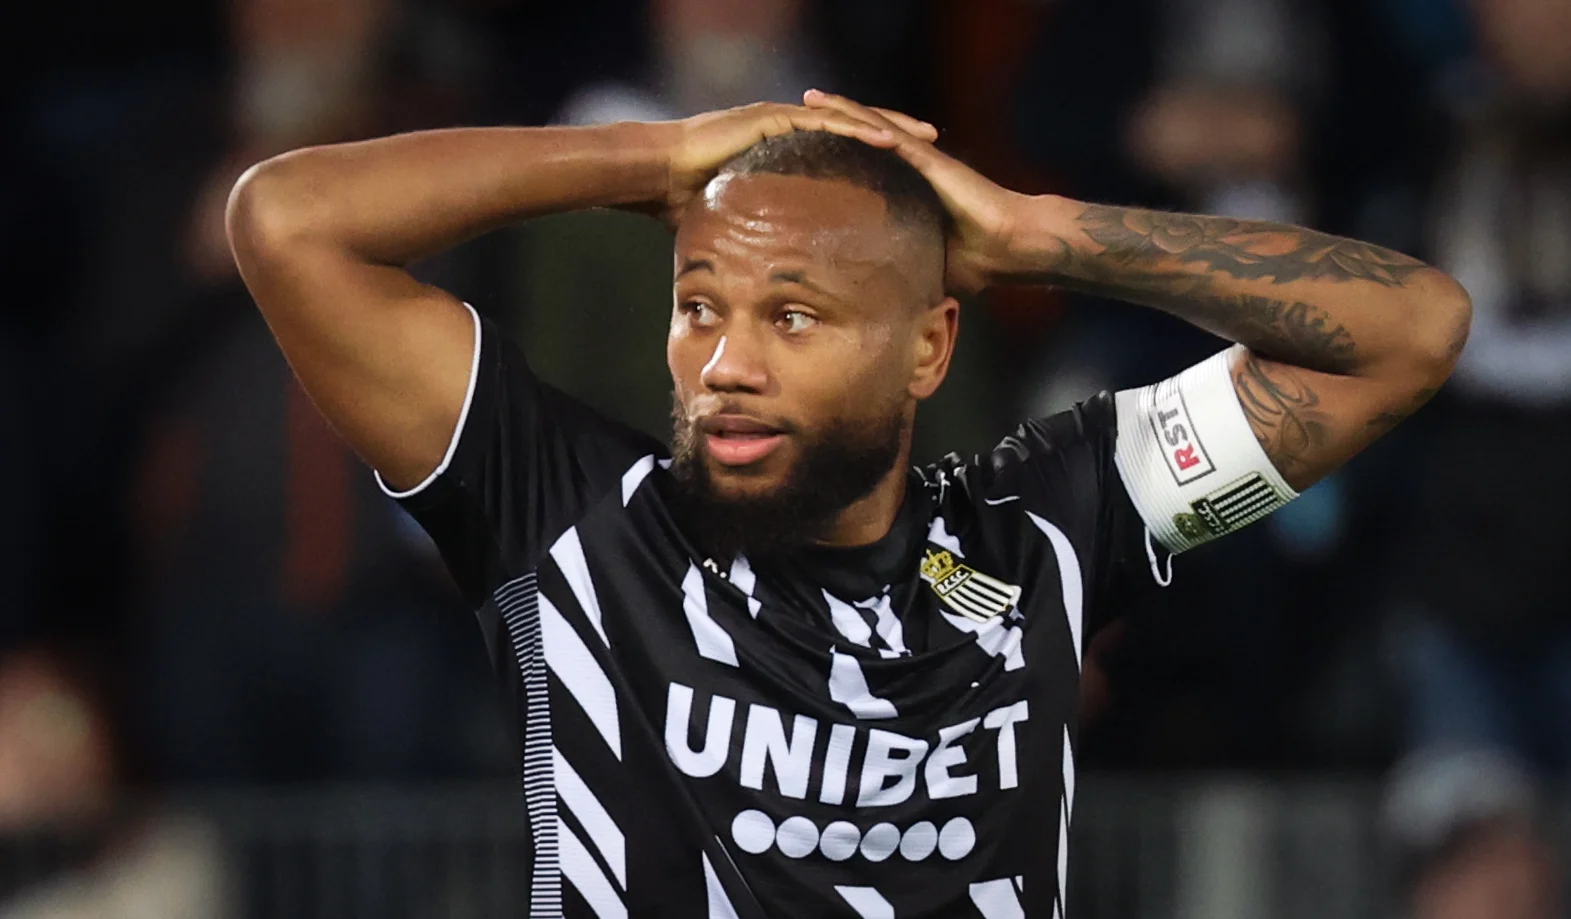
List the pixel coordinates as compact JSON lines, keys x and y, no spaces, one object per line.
{"x":235,"y":681}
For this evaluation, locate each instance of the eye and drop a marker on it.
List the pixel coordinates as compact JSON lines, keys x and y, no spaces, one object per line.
{"x":795,"y":321}
{"x":698,"y":313}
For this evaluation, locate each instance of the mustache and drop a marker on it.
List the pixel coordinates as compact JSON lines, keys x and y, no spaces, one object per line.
{"x":696,"y":421}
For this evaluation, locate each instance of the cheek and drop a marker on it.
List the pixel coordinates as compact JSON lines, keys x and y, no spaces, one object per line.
{"x":855,"y":381}
{"x":681,"y":357}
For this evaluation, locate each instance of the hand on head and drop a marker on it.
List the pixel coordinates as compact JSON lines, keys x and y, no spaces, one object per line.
{"x":983,"y":212}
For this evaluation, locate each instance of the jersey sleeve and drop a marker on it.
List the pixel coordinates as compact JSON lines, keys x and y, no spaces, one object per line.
{"x":1065,"y":470}
{"x":525,"y":463}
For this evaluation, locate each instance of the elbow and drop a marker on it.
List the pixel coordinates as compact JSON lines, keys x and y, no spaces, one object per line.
{"x":271,"y":207}
{"x":1444,"y":316}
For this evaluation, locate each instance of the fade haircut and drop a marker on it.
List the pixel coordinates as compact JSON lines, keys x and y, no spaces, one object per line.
{"x":911,"y":200}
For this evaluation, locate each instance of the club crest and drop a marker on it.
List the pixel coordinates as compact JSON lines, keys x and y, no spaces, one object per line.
{"x":965,"y":590}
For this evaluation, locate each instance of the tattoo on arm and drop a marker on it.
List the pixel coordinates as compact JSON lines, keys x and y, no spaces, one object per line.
{"x":1295,"y":333}
{"x":1285,"y":414}
{"x":1382,"y":423}
{"x":1178,"y":262}
{"x":1249,"y":250}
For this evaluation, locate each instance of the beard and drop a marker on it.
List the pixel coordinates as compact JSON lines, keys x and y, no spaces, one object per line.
{"x":839,"y":464}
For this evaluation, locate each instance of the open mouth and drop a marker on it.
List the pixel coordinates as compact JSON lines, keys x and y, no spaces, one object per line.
{"x":736,"y":440}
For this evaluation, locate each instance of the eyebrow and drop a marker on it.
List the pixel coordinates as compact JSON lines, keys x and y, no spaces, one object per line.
{"x":697,"y":264}
{"x":800,"y":279}
{"x":786,"y":277}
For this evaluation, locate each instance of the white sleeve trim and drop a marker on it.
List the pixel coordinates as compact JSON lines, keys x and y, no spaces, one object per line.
{"x":1190,"y":461}
{"x":458,"y":430}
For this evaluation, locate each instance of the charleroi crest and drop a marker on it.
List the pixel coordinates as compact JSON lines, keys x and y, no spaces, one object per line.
{"x":965,"y":590}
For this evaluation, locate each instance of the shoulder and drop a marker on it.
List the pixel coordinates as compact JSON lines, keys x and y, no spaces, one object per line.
{"x":1069,"y":449}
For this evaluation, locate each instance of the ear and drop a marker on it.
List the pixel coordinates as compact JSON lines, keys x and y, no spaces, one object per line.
{"x":933,"y":340}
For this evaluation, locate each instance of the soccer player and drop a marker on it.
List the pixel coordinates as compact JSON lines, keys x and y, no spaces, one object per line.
{"x":778,"y":671}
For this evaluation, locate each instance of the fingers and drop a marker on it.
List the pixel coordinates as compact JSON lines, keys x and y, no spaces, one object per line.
{"x":913,"y":126}
{"x":819,"y":100}
{"x":784,"y":119}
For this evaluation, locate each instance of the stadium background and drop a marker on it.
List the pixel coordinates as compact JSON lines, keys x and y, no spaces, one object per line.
{"x":234,"y":680}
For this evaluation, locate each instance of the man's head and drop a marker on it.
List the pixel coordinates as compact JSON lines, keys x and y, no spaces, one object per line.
{"x":809,"y":320}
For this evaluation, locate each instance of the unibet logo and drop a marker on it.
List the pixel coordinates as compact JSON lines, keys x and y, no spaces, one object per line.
{"x":867,"y":767}
{"x":755,"y":833}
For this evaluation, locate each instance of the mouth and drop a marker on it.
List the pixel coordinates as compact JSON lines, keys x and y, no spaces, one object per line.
{"x":737,"y":440}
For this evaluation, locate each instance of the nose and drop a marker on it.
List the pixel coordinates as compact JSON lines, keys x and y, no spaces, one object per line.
{"x":737,"y":365}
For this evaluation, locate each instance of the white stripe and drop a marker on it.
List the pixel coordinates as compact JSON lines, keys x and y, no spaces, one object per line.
{"x":1069,"y":775}
{"x":570,"y":659}
{"x":868,"y":903}
{"x":745,"y":580}
{"x":579,"y":867}
{"x":938,"y":534}
{"x":848,"y":685}
{"x":635,"y":476}
{"x":1063,"y":856}
{"x":994,"y":637}
{"x":967,"y":603}
{"x":848,"y":621}
{"x":1067,"y":810}
{"x":719,"y":904}
{"x":592,"y":816}
{"x":458,"y":429}
{"x":712,"y":641}
{"x":997,"y":900}
{"x":889,"y":628}
{"x":569,"y":556}
{"x":518,"y":602}
{"x":1068,"y":576}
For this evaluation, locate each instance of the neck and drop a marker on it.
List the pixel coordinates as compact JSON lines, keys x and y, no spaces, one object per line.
{"x":870,"y":518}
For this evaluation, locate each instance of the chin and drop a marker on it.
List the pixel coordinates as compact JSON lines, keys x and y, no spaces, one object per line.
{"x":744,"y":483}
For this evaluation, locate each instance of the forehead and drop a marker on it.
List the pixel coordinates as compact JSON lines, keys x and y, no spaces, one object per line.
{"x":833,"y":224}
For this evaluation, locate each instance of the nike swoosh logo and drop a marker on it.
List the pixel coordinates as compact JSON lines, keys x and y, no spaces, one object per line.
{"x":997,"y":501}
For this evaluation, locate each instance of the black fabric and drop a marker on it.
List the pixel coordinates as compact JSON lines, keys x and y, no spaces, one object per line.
{"x":822,"y":735}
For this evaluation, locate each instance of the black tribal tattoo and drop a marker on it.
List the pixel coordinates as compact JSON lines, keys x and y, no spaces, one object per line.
{"x":1180,"y":263}
{"x":1245,"y":249}
{"x":1284,"y":412}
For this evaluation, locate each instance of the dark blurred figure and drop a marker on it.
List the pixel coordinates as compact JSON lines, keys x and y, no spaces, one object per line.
{"x":1482,"y":637}
{"x":289,"y":622}
{"x":62,"y":773}
{"x":1467,"y":832}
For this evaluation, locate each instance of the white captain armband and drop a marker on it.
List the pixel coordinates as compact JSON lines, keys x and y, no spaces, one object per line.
{"x":1190,"y":461}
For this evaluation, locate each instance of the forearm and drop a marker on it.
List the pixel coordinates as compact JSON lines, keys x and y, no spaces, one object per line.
{"x":393,"y":200}
{"x":1290,"y":294}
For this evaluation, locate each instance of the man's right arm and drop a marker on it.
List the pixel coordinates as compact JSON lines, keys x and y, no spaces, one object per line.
{"x":322,"y":235}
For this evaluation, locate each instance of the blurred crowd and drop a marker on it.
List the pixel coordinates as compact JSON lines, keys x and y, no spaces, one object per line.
{"x":200,"y":586}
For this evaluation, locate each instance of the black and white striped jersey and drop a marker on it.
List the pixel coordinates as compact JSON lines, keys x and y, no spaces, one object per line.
{"x":885,"y":731}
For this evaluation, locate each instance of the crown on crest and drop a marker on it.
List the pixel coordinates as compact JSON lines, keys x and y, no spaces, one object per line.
{"x":938,"y":565}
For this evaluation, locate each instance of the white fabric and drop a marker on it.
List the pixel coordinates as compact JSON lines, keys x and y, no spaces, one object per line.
{"x":1189,"y":460}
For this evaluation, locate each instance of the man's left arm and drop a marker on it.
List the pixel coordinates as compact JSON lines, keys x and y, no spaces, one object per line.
{"x":1341,"y":339}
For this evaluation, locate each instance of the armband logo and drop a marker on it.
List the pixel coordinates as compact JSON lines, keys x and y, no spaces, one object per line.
{"x":1191,"y":527}
{"x":1226,"y":509}
{"x":965,"y":590}
{"x":1176,"y":436}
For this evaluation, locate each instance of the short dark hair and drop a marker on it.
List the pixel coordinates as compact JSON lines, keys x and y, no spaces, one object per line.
{"x":822,"y":155}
